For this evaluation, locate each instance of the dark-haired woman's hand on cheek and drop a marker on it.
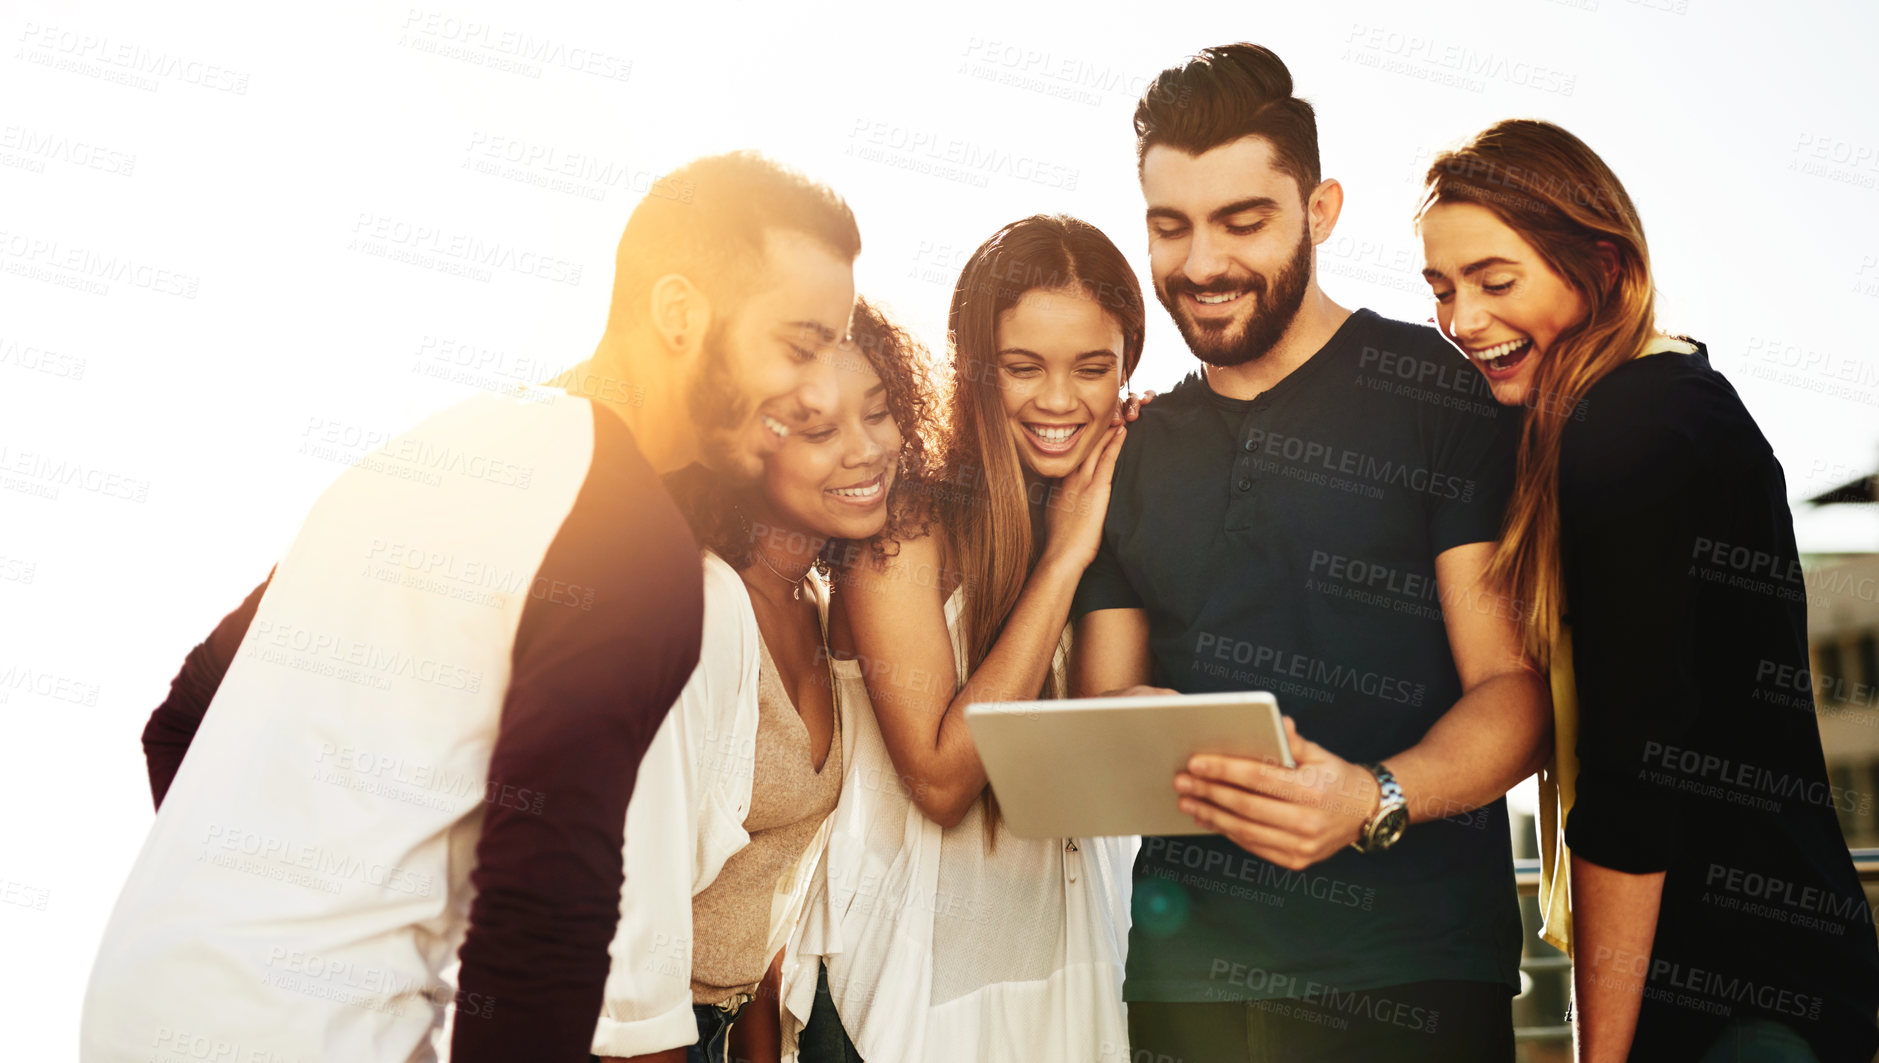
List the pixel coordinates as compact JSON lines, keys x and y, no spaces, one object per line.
{"x":1129,"y":408}
{"x":1073,"y":515}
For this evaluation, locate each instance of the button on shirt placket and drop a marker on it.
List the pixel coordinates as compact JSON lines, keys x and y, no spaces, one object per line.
{"x":1246,"y":473}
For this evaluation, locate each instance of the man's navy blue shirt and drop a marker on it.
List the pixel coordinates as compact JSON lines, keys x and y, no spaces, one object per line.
{"x":1288,"y":543}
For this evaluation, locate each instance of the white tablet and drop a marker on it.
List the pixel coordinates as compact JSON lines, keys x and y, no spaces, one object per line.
{"x":1090,"y":767}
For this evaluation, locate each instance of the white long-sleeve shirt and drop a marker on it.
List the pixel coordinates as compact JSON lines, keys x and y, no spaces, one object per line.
{"x":421,"y":741}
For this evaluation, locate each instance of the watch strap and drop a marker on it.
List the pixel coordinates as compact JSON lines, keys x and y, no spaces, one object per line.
{"x":1389,"y":799}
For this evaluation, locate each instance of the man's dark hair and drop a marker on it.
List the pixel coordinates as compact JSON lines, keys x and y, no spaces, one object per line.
{"x":1223,"y":94}
{"x":708,"y":220}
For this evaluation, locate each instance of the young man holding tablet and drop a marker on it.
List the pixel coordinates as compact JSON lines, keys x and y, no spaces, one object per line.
{"x":1292,"y":520}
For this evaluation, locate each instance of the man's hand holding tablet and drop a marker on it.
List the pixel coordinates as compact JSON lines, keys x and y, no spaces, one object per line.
{"x":1104,"y":766}
{"x":1294,"y":817}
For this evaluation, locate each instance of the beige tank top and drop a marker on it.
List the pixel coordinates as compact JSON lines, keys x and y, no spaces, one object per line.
{"x":789,"y":799}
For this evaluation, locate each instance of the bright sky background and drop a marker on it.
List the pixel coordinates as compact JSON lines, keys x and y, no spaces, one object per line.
{"x":259,"y":170}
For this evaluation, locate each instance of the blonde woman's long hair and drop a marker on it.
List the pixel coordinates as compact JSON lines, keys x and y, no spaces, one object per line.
{"x":1553,"y":190}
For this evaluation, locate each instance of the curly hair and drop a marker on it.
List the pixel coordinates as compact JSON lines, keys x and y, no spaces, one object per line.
{"x":919,"y":411}
{"x":715,"y":507}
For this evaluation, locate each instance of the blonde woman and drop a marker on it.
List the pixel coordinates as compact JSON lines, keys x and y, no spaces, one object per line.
{"x":1714,"y":912}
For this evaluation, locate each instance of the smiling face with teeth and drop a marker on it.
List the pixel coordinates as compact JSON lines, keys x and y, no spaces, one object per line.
{"x":1230,"y":241}
{"x":1496,"y":298}
{"x":831,"y":477}
{"x":1059,"y":369}
{"x":756,"y":375}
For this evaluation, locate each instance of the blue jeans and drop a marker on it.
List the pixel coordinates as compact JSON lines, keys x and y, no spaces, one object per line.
{"x":1758,"y":1040}
{"x":823,"y":1039}
{"x":714,"y":1034}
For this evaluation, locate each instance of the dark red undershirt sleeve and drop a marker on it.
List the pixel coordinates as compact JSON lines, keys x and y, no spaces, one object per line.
{"x":173,"y":725}
{"x":606,"y":642}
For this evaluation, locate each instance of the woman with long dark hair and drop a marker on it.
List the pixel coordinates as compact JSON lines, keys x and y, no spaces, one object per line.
{"x":949,"y":939}
{"x":1650,"y":547}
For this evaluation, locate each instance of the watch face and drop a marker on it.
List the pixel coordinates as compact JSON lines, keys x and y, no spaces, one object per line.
{"x":1389,"y":828}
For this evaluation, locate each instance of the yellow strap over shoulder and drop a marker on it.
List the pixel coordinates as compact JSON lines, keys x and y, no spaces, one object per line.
{"x":1557,"y":782}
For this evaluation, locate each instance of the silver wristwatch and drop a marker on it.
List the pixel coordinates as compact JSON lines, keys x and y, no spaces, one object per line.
{"x":1386,"y":824}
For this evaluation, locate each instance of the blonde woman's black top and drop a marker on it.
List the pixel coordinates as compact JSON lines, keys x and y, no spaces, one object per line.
{"x":1689,"y":620}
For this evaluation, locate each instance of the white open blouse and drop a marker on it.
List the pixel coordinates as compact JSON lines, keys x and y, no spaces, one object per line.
{"x":940,"y":949}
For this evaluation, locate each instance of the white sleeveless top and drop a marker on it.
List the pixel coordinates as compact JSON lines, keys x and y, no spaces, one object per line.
{"x":939,"y":949}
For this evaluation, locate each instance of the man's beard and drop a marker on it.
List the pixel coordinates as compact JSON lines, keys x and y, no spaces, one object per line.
{"x":1271,"y":316}
{"x":719,"y":410}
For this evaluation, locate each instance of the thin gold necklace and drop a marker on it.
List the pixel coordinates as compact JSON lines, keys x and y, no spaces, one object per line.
{"x":797,"y":582}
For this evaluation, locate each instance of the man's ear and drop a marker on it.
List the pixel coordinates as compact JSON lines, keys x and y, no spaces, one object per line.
{"x":1322,"y":209}
{"x":680,"y":313}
